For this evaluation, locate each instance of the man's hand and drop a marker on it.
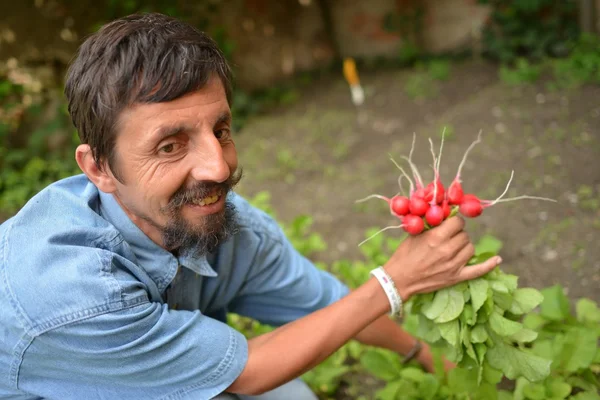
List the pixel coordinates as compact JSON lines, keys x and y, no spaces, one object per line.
{"x":421,"y":264}
{"x":435,"y":259}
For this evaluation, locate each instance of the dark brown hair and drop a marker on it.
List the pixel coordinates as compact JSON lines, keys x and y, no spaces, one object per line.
{"x":141,"y":58}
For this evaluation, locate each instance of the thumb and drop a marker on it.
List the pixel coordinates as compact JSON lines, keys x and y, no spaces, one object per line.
{"x":477,"y":270}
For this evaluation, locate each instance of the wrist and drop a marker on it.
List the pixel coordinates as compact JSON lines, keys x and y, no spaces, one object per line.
{"x":417,"y":352}
{"x":404,"y":290}
{"x":389,"y":288}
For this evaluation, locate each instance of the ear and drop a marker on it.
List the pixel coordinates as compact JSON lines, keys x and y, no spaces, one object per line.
{"x":102,"y":178}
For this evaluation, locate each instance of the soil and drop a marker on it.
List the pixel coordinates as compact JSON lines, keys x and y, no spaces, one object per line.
{"x":320,"y":154}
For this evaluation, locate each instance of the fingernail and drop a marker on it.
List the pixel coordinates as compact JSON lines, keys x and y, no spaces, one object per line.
{"x":498,"y":260}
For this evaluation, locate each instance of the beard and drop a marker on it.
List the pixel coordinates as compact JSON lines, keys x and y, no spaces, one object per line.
{"x":199,"y":238}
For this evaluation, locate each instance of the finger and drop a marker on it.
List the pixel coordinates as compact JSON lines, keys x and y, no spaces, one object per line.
{"x":450,"y":227}
{"x":457,"y":244}
{"x":477,"y":270}
{"x":463,"y":253}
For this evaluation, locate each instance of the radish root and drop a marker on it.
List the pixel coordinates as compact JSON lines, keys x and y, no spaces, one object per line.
{"x":418,"y":180}
{"x":402,"y":191}
{"x":526,"y":197}
{"x":373,"y":196}
{"x":505,"y":190}
{"x":464,"y":159}
{"x":378,"y":232}
{"x":437,"y":168}
{"x":412,"y":186}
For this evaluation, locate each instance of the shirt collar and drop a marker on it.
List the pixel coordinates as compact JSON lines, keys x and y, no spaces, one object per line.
{"x":160,"y":264}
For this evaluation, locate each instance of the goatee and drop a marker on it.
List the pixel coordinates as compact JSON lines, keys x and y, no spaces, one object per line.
{"x":198,"y":239}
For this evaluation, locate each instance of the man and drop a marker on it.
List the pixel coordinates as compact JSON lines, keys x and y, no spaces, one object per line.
{"x":115,"y":284}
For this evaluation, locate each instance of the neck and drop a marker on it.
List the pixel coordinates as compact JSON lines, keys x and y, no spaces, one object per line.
{"x":148,"y":227}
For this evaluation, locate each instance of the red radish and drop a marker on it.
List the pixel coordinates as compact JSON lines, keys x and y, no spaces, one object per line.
{"x":418,"y":206}
{"x":410,"y":223}
{"x":431,"y":189}
{"x":446,"y":209}
{"x":455,"y":190}
{"x":469,"y":197}
{"x":435,"y":215}
{"x":421,"y":193}
{"x":399,"y":205}
{"x":455,"y":193}
{"x":470,"y":208}
{"x":413,"y":224}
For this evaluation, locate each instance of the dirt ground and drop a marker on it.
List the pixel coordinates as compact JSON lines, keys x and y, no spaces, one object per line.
{"x":321,"y":154}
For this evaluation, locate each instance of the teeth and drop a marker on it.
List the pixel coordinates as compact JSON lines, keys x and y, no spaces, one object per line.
{"x":206,"y":200}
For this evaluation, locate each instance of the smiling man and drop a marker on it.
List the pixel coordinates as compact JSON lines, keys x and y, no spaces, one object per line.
{"x":116,"y":283}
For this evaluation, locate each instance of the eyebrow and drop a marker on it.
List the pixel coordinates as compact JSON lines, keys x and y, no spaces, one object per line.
{"x":175,"y":129}
{"x":225,"y":117}
{"x":169,"y":130}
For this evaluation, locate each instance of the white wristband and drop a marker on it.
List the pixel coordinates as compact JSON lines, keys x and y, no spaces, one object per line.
{"x":390,"y":290}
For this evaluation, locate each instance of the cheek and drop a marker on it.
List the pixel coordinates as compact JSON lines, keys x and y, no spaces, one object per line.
{"x":230,"y":155}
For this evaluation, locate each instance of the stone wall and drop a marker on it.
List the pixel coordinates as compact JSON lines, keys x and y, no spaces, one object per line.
{"x":273,"y":38}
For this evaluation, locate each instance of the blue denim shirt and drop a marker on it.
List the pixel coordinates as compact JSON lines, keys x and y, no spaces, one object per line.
{"x":91,"y":308}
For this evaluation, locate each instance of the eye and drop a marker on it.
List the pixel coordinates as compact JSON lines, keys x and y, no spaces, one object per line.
{"x":222,"y":133}
{"x":168,"y":148}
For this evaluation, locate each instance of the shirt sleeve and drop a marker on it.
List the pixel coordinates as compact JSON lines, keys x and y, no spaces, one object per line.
{"x":282,"y":284}
{"x":143,"y":352}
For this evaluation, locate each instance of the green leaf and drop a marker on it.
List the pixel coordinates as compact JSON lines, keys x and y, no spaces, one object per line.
{"x":427,"y":330}
{"x":498,"y":286}
{"x":479,"y":334}
{"x":503,"y":300}
{"x":534,"y":321}
{"x":468,"y":317}
{"x":488,"y":243}
{"x":390,"y":392}
{"x":587,"y":311}
{"x":579,"y":349}
{"x":585,"y":396}
{"x":503,"y":326}
{"x":479,"y":258}
{"x":461,"y":380}
{"x":379,"y":365}
{"x":525,"y":300}
{"x":559,"y":389}
{"x":555,"y":305}
{"x":438,"y":305}
{"x":524,"y":336}
{"x":450,"y":332}
{"x":413,"y":374}
{"x":578,"y":382}
{"x":505,"y":395}
{"x":465,"y":335}
{"x":491,"y":374}
{"x":535,"y":391}
{"x":509,"y":280}
{"x":479,"y":292}
{"x":515,"y":362}
{"x":454,"y":306}
{"x":429,"y":387}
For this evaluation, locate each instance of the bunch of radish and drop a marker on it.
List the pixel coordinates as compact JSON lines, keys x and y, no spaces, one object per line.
{"x":427,"y":206}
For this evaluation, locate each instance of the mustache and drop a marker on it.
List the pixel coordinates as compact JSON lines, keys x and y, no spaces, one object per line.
{"x":202,"y":189}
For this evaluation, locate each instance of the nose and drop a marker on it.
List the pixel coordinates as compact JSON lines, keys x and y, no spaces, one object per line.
{"x":209,"y":163}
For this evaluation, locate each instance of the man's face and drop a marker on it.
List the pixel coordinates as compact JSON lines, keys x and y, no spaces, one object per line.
{"x":177,"y":161}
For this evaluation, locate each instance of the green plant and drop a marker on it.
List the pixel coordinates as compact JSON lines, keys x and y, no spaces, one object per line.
{"x":581,"y":66}
{"x":31,"y":161}
{"x":529,"y":28}
{"x":522,"y":72}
